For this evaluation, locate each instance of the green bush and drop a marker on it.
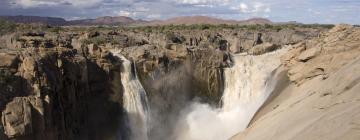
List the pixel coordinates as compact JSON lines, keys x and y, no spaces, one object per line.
{"x":55,"y":29}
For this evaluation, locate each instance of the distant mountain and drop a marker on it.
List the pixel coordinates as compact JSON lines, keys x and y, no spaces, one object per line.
{"x":36,"y":19}
{"x":122,"y":20}
{"x":107,"y":20}
{"x":188,"y":20}
{"x":257,"y":21}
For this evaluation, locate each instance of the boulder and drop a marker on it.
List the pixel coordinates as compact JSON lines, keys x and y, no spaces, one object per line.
{"x":263,"y":48}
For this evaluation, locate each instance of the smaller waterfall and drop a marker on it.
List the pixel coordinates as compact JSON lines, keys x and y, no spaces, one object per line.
{"x":134,"y":100}
{"x":247,"y":86}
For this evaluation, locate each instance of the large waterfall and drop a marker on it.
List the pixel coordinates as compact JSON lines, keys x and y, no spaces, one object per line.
{"x":134,"y":100}
{"x":247,"y":86}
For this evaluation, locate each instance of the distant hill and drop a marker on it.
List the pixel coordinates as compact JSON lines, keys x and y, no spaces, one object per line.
{"x":188,"y":20}
{"x":122,"y":20}
{"x":107,"y":20}
{"x":36,"y":19}
{"x":256,"y":21}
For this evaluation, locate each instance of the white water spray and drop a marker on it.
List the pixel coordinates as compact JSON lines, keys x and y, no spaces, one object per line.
{"x":247,"y":86}
{"x":134,"y":100}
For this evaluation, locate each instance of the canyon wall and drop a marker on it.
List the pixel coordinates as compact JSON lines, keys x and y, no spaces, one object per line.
{"x":53,"y":92}
{"x":66,"y":84}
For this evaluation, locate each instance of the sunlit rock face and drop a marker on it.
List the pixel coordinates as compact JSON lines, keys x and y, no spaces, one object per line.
{"x":56,"y":92}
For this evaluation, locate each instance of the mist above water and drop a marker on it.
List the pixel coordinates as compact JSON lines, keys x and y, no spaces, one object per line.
{"x":247,"y":86}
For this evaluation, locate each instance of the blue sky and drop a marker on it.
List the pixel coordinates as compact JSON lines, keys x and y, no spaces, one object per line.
{"x":306,"y":11}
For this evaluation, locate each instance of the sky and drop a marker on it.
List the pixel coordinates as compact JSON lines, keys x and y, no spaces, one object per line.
{"x":305,"y":11}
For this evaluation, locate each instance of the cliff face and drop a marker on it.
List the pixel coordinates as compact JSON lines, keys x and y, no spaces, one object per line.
{"x":66,"y":84}
{"x":319,"y":97}
{"x":56,"y":92}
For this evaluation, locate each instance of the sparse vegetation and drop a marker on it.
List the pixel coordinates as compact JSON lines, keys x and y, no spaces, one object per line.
{"x":6,"y":26}
{"x":55,"y":29}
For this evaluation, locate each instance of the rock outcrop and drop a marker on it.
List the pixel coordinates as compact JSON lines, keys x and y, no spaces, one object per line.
{"x":320,"y":57}
{"x":319,"y":98}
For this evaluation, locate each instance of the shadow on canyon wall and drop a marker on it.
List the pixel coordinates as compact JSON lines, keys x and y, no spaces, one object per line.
{"x":77,"y":100}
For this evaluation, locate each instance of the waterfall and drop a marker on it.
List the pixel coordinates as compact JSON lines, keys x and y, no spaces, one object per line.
{"x":247,"y":86}
{"x":134,"y":100}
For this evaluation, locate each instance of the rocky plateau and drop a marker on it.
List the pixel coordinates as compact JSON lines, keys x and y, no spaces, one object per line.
{"x":65,"y":84}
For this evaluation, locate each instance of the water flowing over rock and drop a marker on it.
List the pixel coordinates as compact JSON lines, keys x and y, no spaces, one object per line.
{"x":247,"y":85}
{"x":134,"y":100}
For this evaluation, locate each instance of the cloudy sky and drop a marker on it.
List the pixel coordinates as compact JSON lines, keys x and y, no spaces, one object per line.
{"x":306,"y":11}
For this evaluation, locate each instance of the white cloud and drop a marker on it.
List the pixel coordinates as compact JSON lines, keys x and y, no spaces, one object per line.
{"x":123,"y":13}
{"x":34,"y":3}
{"x":267,"y":10}
{"x":153,"y":16}
{"x":142,"y":9}
{"x":74,"y":18}
{"x":204,"y":5}
{"x":204,"y":2}
{"x":84,"y":3}
{"x":252,"y":8}
{"x":39,"y":3}
{"x":277,"y":10}
{"x":243,"y":7}
{"x":258,"y":6}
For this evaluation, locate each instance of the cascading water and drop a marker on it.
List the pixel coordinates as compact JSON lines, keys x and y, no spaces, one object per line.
{"x":134,"y":100}
{"x":247,"y":86}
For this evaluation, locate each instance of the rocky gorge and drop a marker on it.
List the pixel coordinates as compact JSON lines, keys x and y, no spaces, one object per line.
{"x":67,"y":83}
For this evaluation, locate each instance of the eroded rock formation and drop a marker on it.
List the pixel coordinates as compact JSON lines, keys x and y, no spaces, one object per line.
{"x":66,"y":84}
{"x":56,"y":92}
